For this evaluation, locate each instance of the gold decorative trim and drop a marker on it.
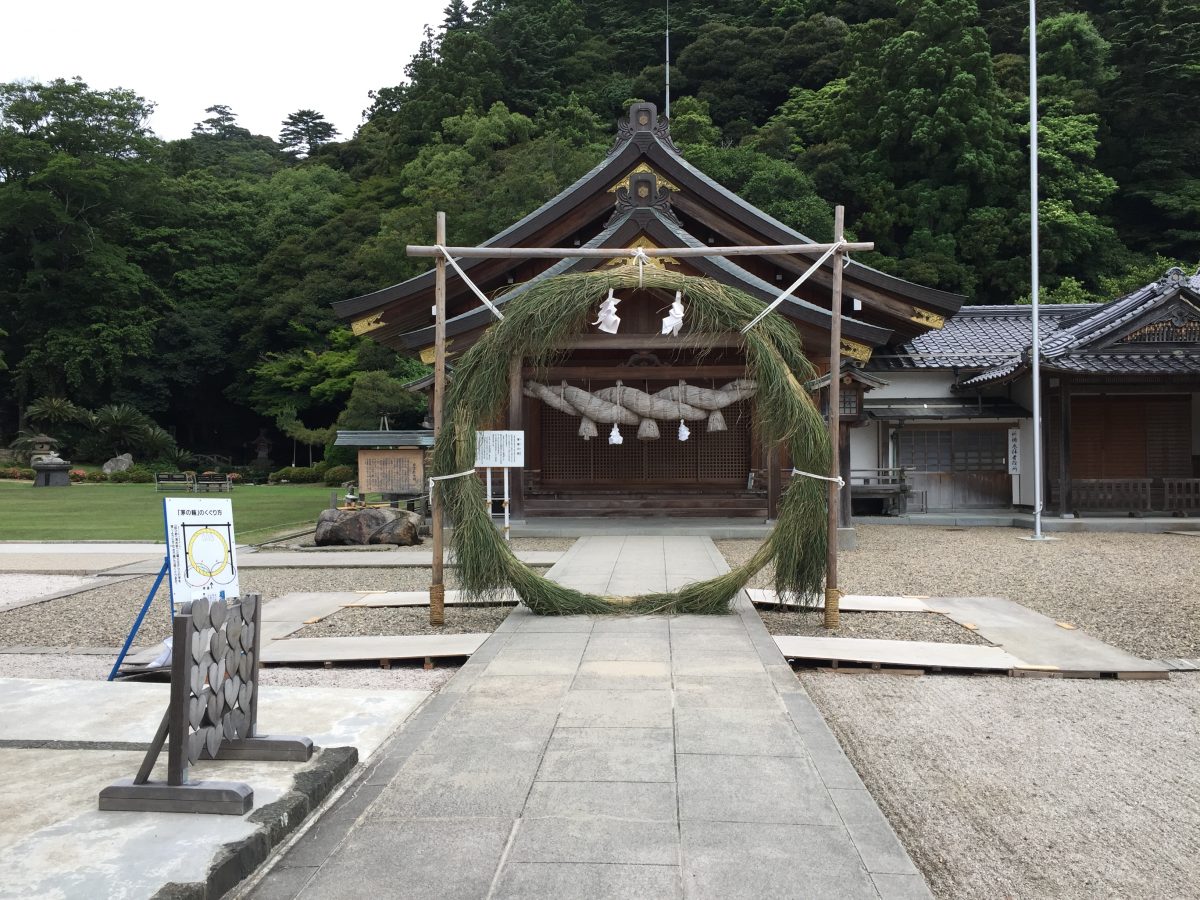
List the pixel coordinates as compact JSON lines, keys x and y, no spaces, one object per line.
{"x":925,"y":317}
{"x":428,"y":354}
{"x":659,"y":262}
{"x":367,"y":323}
{"x":855,"y":350}
{"x":640,"y":169}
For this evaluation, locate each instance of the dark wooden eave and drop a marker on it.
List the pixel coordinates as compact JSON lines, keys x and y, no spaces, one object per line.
{"x":665,"y":234}
{"x":891,"y":305}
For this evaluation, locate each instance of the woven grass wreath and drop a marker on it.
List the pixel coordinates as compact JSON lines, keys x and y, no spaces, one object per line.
{"x":560,"y":307}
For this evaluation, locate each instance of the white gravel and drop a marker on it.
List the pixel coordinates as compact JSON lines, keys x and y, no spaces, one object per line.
{"x":15,"y":587}
{"x":102,"y":617}
{"x":1031,"y":788}
{"x":1139,"y":592}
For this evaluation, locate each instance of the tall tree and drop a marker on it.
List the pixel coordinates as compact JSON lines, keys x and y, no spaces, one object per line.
{"x":304,"y":131}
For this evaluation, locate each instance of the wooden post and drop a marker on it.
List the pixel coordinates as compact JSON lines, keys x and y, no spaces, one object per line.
{"x":1065,"y":500}
{"x":437,"y":589}
{"x":516,"y":422}
{"x":832,"y":594}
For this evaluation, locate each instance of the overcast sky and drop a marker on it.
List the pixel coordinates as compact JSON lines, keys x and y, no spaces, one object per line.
{"x":264,"y":60}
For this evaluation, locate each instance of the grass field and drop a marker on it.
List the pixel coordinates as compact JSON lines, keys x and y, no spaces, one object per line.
{"x":133,"y":512}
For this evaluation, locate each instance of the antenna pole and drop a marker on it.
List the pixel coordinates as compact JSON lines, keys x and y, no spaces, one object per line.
{"x":668,"y":68}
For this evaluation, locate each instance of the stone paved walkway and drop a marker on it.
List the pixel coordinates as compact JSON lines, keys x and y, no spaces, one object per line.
{"x":638,"y":757}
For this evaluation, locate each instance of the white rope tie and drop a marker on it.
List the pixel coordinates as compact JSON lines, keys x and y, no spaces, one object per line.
{"x":841,"y":482}
{"x":446,"y":478}
{"x":640,"y":257}
{"x":478,"y":293}
{"x":795,"y":284}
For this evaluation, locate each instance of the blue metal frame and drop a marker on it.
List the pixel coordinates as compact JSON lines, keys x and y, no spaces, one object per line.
{"x":142,"y":615}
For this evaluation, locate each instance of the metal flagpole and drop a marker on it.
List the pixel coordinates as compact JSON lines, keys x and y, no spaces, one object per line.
{"x":668,"y":66}
{"x":1034,"y":285}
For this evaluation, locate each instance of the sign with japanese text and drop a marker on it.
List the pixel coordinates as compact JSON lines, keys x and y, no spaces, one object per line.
{"x":396,"y":471}
{"x":201,"y":549}
{"x":1014,"y":451}
{"x":499,"y":449}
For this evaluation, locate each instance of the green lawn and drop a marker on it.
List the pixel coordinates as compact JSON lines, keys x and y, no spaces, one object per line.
{"x":133,"y":512}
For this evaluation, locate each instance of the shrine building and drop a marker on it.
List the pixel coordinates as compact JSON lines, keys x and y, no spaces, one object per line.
{"x":935,"y":398}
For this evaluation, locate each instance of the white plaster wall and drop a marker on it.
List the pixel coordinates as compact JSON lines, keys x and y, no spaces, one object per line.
{"x":914,"y":384}
{"x":864,"y":447}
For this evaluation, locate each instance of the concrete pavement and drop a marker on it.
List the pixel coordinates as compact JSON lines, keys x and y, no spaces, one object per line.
{"x":610,"y":757}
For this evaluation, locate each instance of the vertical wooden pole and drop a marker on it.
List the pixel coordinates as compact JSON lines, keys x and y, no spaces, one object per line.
{"x":516,"y":422}
{"x":1066,"y":502}
{"x":832,"y":594}
{"x":437,"y":589}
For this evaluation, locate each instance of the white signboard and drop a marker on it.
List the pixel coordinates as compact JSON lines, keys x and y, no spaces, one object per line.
{"x":1014,"y":451}
{"x":499,"y":449}
{"x":201,"y":550}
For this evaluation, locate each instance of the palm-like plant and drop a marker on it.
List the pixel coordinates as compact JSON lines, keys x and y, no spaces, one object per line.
{"x":48,"y":412}
{"x":121,"y":427}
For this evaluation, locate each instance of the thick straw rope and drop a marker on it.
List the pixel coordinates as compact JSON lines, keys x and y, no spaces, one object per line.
{"x":624,"y":405}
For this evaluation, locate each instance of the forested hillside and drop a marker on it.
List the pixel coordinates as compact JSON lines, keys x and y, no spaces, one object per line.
{"x":191,"y":280}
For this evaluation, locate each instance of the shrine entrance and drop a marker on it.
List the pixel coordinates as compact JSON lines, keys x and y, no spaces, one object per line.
{"x":711,"y":470}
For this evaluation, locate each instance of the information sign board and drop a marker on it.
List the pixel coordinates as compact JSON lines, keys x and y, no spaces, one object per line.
{"x":1014,"y":451}
{"x":201,"y":549}
{"x":396,"y":471}
{"x":499,"y":449}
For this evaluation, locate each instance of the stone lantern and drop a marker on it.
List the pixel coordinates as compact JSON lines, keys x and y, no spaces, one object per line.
{"x":49,"y":470}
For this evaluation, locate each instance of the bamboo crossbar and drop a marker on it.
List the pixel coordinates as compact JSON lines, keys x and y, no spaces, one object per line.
{"x":651,"y":252}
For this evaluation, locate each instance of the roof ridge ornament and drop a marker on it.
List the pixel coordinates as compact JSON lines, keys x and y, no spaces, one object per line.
{"x":643,"y":118}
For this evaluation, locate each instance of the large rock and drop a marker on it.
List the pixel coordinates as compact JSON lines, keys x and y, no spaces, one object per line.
{"x":118,"y":464}
{"x":348,"y":527}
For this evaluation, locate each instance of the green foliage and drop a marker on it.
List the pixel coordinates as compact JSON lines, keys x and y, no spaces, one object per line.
{"x":530,"y":329}
{"x":336,"y":476}
{"x":304,"y":131}
{"x":295,"y":475}
{"x":193,"y":279}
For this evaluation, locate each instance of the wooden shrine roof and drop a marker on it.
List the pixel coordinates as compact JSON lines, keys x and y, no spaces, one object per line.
{"x":645,"y":193}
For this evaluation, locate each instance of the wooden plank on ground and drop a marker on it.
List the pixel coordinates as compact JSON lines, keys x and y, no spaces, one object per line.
{"x":909,"y":654}
{"x":373,"y":648}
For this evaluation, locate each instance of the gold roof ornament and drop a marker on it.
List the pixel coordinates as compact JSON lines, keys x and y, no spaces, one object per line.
{"x":641,"y":169}
{"x":855,"y":350}
{"x":925,"y":317}
{"x":659,"y":262}
{"x":367,"y":323}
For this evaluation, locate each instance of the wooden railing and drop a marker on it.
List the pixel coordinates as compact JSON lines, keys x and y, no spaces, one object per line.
{"x":1181,"y":495}
{"x":1131,"y":494}
{"x":887,"y":485}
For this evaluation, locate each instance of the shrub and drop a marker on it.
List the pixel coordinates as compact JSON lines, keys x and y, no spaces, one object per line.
{"x":138,"y":475}
{"x":120,"y":477}
{"x":295,"y":475}
{"x":77,"y":475}
{"x":322,"y":467}
{"x":96,"y":477}
{"x":338,"y":475}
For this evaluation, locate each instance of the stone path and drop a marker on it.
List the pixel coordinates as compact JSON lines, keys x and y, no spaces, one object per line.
{"x":639,"y":757}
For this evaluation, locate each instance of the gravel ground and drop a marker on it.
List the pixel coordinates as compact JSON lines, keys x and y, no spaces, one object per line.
{"x":95,"y":668}
{"x":1031,"y":788}
{"x":893,"y":626}
{"x":102,"y":617}
{"x":408,"y":620}
{"x":1138,"y":592}
{"x":18,"y":586}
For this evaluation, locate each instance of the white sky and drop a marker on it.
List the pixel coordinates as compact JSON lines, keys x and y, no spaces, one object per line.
{"x":264,"y":60}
